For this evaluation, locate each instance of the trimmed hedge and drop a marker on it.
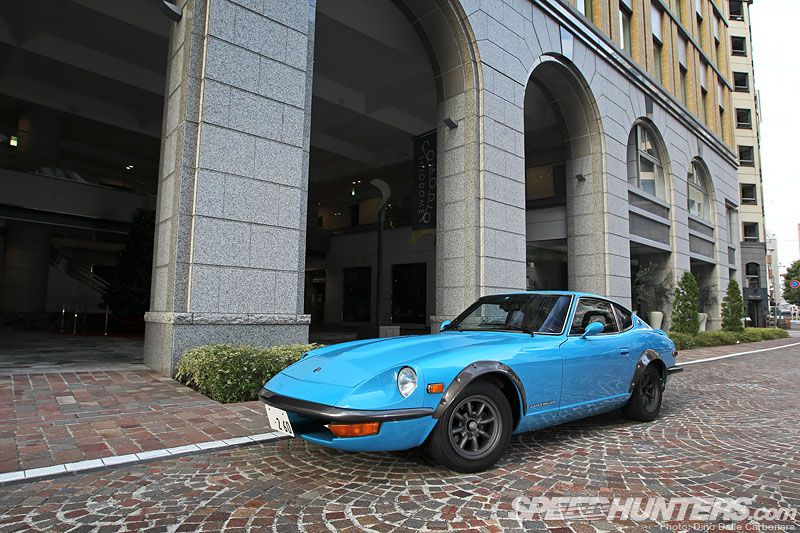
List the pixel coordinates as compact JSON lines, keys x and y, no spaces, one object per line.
{"x":229,"y":374}
{"x":704,"y":339}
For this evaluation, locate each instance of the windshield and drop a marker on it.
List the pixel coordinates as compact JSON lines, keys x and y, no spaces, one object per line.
{"x":531,"y":313}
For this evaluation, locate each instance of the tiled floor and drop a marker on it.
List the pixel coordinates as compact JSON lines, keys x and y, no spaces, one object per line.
{"x":24,"y":352}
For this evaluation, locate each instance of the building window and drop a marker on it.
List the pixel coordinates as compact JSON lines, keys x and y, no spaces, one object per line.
{"x":585,"y":7}
{"x":645,"y":169}
{"x":704,"y":103}
{"x":744,"y":119}
{"x":356,"y":294}
{"x":739,"y":46}
{"x":409,"y":293}
{"x":753,"y":274}
{"x":750,"y":231}
{"x":749,"y":194}
{"x":625,"y":27}
{"x":741,"y":82}
{"x":746,"y":158}
{"x":704,"y":91}
{"x":657,"y":23}
{"x":721,"y":102}
{"x":657,"y":59}
{"x":684,"y":98}
{"x":736,"y":9}
{"x":731,"y":216}
{"x":701,"y":31}
{"x":698,"y":203}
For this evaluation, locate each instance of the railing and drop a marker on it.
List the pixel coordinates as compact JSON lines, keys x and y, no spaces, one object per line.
{"x":82,"y":274}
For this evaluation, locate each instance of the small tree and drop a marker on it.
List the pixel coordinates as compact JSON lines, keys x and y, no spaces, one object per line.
{"x":684,"y":308}
{"x":792,"y":273}
{"x":129,"y":291}
{"x":733,"y":308}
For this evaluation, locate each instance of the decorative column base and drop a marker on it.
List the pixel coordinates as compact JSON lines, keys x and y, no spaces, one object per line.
{"x":169,"y":335}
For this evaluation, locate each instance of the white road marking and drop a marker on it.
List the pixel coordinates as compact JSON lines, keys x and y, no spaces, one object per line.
{"x":133,"y":458}
{"x":736,"y":354}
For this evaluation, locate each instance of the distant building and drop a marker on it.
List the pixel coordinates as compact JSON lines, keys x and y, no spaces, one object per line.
{"x":775,"y":284}
{"x":747,"y":137}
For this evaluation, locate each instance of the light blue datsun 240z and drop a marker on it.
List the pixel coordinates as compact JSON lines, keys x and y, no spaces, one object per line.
{"x":510,"y":363}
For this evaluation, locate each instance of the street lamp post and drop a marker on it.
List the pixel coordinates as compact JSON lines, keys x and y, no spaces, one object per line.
{"x":385,"y":192}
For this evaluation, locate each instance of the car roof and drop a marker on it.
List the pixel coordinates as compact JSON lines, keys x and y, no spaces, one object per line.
{"x":565,"y":293}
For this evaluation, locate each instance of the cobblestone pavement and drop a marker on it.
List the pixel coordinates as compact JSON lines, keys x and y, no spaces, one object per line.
{"x":728,"y":429}
{"x":55,"y":418}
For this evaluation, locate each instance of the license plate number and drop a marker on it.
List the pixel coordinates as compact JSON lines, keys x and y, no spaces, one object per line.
{"x":279,"y":420}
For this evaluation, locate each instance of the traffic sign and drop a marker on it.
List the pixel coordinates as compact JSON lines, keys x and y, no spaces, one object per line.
{"x":795,"y":284}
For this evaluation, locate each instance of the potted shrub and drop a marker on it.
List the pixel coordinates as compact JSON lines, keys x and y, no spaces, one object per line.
{"x":684,"y":309}
{"x":706,"y":299}
{"x":651,"y":293}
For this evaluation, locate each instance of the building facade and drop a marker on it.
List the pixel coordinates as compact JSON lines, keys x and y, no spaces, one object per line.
{"x":747,"y":121}
{"x":774,"y":284}
{"x":573,"y":142}
{"x":541,"y":144}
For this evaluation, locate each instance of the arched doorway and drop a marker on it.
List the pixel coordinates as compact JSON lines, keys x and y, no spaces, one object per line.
{"x":563,"y":181}
{"x":388,"y":87}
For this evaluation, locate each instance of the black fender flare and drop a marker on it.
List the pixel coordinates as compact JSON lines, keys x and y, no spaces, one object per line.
{"x":469,"y":374}
{"x":647,"y":358}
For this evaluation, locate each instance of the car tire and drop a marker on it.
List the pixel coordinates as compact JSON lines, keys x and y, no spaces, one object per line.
{"x":467,"y":440}
{"x":645,"y":401}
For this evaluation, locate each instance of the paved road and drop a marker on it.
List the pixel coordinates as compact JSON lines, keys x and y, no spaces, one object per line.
{"x":728,"y":429}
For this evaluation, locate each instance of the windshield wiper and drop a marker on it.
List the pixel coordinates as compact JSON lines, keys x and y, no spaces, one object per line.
{"x":518,"y":328}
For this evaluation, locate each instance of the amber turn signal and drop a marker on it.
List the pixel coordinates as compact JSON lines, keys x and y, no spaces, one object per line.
{"x":354,"y":430}
{"x":436,"y":388}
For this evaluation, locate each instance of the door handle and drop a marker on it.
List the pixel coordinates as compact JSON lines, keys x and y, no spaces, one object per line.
{"x":624,"y":351}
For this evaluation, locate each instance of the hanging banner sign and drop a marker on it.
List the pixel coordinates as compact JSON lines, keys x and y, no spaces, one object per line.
{"x":423,"y":212}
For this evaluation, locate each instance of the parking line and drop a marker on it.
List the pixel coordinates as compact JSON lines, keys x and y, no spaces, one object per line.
{"x":133,"y":458}
{"x":735,"y":354}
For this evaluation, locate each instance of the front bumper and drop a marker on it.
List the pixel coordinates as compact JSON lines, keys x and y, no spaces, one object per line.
{"x":400,"y":429}
{"x":339,"y":415}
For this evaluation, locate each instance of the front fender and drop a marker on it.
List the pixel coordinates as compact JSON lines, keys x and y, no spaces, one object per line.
{"x":469,"y":374}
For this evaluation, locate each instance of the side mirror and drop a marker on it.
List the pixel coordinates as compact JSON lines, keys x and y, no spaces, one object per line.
{"x":444,"y":325}
{"x":593,"y":329}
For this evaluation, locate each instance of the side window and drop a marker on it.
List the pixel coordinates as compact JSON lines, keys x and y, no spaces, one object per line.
{"x":624,"y":318}
{"x":590,"y":310}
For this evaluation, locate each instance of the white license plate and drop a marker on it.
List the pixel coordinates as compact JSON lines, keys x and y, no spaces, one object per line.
{"x":279,"y":420}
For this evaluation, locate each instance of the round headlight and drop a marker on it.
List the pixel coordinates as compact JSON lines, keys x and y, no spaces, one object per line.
{"x":406,"y":381}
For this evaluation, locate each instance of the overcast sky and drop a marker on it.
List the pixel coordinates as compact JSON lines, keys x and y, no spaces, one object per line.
{"x":777,"y":78}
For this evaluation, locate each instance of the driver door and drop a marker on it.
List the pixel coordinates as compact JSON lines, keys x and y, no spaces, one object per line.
{"x":596,"y":368}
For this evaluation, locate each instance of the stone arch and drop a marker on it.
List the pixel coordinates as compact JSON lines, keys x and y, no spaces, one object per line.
{"x":660,"y":148}
{"x":698,"y":167}
{"x":425,"y":78}
{"x":557,"y":90}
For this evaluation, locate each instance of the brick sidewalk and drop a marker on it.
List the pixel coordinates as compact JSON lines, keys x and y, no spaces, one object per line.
{"x":55,"y":418}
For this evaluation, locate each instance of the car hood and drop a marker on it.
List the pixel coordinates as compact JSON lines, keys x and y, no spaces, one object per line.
{"x":354,"y":362}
